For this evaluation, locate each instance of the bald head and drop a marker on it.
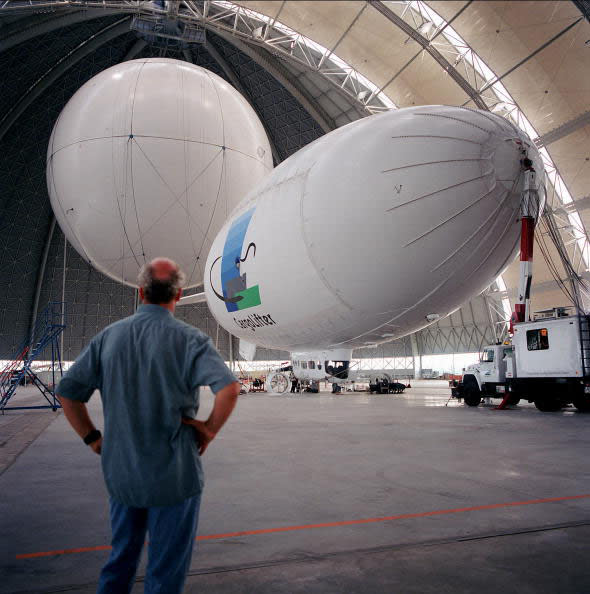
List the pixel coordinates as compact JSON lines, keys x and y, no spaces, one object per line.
{"x":163,"y":268}
{"x":160,"y":281}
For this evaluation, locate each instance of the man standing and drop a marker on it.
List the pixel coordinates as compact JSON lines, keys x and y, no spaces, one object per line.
{"x":148,"y":368}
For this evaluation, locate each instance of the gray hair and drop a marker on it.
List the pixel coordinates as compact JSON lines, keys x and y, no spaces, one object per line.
{"x":160,"y":290}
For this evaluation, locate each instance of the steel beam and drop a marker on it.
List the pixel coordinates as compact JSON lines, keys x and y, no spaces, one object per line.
{"x":223,"y":64}
{"x":282,"y":75}
{"x":274,"y":20}
{"x":564,"y":130}
{"x":490,"y":315}
{"x":580,"y":204}
{"x":416,"y":355}
{"x":47,"y":26}
{"x":419,"y":53}
{"x":341,"y":38}
{"x":425,"y":43}
{"x":135,"y":49}
{"x":536,"y":289}
{"x":63,"y":65}
{"x":576,"y":206}
{"x":531,"y":55}
{"x":234,"y":21}
{"x":172,"y":8}
{"x":235,"y":81}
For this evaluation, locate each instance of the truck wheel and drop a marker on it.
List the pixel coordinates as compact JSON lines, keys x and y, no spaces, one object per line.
{"x":472,"y":395}
{"x":548,"y":405}
{"x":471,"y":392}
{"x":472,"y":399}
{"x":582,"y":403}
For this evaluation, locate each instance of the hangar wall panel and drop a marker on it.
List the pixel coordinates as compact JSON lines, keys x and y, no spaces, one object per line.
{"x":25,"y":213}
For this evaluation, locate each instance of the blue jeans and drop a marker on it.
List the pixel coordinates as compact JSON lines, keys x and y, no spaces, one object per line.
{"x":171,"y":529}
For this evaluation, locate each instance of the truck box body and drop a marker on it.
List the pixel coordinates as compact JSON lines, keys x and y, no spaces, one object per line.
{"x":548,"y":347}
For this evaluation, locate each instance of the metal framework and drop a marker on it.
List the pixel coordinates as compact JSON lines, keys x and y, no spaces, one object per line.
{"x":564,"y":130}
{"x":266,"y":60}
{"x":580,"y":204}
{"x":244,"y":24}
{"x":110,"y":32}
{"x":463,"y":331}
{"x":499,"y":312}
{"x":413,"y":31}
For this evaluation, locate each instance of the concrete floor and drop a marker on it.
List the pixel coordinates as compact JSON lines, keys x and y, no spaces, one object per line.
{"x":286,"y":462}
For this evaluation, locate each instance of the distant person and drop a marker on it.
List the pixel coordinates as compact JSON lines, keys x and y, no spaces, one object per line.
{"x":294,"y":385}
{"x":148,"y":368}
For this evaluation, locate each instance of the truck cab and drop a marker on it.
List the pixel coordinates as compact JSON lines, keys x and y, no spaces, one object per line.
{"x":488,"y":377}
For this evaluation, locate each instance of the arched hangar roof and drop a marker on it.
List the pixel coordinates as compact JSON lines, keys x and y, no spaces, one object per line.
{"x":529,"y":61}
{"x":306,"y":67}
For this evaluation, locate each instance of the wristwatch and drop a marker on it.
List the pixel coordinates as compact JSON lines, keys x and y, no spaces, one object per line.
{"x":94,"y":435}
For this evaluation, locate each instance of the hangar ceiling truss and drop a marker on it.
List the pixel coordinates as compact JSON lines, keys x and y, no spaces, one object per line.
{"x":467,"y":339}
{"x":241,"y":23}
{"x":467,"y":330}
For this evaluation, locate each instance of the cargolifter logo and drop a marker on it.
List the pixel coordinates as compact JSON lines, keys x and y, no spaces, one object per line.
{"x":254,"y":321}
{"x":236,"y":293}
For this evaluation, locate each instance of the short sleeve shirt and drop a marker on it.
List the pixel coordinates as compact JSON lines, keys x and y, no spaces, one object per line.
{"x":148,"y":368}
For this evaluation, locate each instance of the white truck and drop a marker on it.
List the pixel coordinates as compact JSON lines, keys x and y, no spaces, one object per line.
{"x":548,"y":363}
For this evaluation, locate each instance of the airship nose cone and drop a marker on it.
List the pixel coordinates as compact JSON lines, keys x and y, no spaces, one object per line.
{"x":508,"y":149}
{"x":504,"y":156}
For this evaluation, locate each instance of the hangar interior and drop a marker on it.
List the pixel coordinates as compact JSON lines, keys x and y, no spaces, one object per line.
{"x":307,"y":68}
{"x":297,"y":102}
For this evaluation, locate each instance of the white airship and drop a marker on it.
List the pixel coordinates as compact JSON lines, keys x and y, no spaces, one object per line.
{"x":148,"y":157}
{"x":371,"y":232}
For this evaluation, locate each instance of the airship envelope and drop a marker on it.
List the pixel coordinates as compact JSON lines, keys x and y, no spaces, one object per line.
{"x":373,"y":231}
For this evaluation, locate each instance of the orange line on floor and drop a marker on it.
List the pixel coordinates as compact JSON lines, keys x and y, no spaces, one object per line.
{"x":440,"y":512}
{"x":64,"y":552}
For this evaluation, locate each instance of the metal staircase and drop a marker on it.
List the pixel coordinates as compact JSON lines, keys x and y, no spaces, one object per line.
{"x":45,"y":335}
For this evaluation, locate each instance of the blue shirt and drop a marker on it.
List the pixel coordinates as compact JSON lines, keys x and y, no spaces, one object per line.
{"x":148,"y":368}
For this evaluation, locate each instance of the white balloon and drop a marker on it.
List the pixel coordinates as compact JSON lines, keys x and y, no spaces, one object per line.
{"x":148,"y":159}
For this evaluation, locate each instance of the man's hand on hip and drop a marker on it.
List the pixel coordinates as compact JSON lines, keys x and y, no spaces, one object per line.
{"x":204,"y":435}
{"x":97,"y":446}
{"x":225,"y":401}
